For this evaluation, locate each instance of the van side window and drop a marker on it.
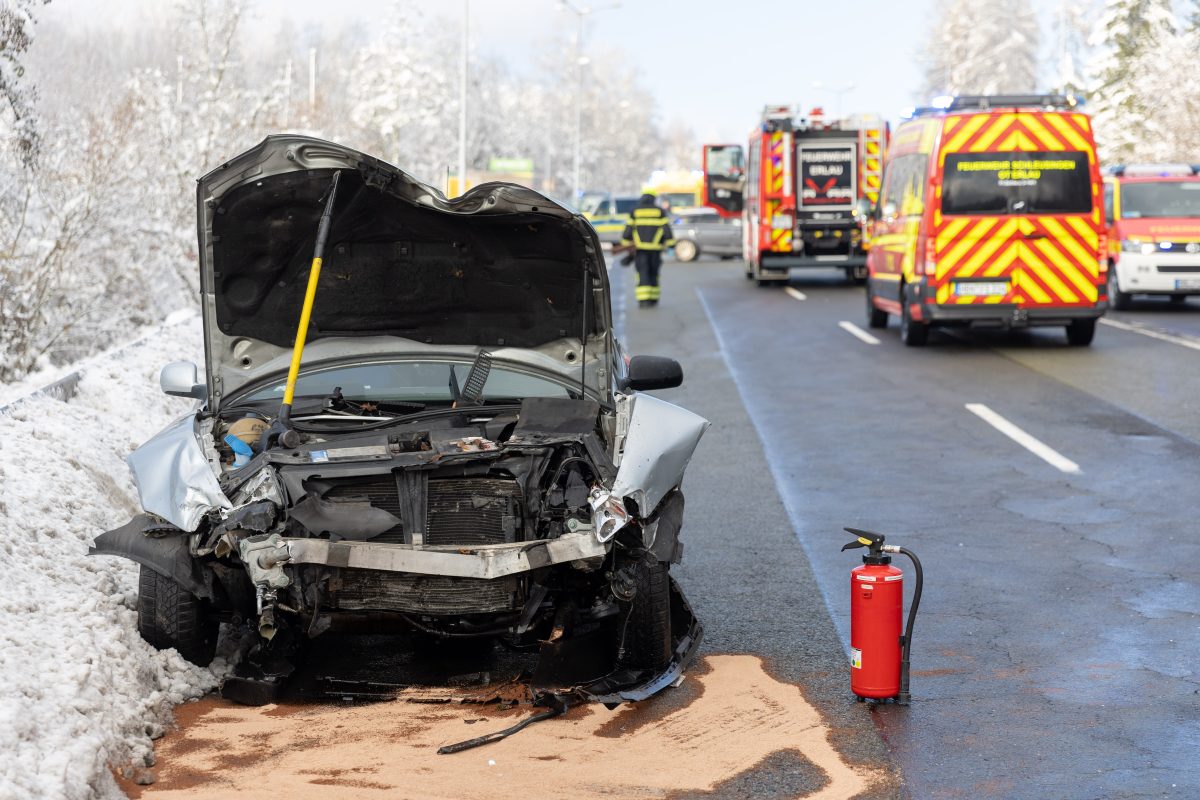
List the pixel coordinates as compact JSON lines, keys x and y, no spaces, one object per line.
{"x":1108,"y":202}
{"x":904,"y":184}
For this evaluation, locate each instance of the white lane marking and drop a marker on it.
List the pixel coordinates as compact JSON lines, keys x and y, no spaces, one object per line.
{"x":1153,"y":334}
{"x":857,"y":332}
{"x":1030,"y":443}
{"x":796,"y":293}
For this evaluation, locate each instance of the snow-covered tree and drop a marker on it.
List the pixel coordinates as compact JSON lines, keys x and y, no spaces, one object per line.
{"x":1068,"y":59}
{"x":981,"y":47}
{"x":18,"y":123}
{"x":1129,"y":38}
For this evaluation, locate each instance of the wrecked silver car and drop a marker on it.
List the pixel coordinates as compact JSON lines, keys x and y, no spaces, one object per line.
{"x":413,"y":413}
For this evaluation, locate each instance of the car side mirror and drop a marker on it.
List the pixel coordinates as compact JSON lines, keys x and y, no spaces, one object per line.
{"x":181,"y":379}
{"x":653,"y":372}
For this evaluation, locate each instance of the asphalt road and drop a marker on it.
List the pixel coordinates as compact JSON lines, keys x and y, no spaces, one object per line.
{"x":1055,"y":649}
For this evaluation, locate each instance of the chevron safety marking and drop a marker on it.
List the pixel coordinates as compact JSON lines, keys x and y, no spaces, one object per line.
{"x":1046,"y":260}
{"x":779,"y":241}
{"x":775,"y":154}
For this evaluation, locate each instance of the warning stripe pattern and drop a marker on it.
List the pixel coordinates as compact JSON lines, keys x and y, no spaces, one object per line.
{"x":775,"y":156}
{"x":872,"y":163}
{"x":781,"y":239}
{"x":1047,"y":260}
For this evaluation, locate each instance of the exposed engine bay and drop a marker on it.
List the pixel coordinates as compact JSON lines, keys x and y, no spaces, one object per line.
{"x":467,"y":521}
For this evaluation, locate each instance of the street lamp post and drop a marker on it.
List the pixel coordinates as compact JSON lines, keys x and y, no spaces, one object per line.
{"x":580,"y":62}
{"x":837,"y":92}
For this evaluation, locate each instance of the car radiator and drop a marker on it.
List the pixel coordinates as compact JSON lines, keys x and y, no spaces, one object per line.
{"x":458,"y":511}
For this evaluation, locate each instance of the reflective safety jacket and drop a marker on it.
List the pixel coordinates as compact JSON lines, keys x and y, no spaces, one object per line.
{"x":648,"y":229}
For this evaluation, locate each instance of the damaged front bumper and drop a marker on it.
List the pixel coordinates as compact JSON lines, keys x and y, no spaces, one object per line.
{"x":266,"y":555}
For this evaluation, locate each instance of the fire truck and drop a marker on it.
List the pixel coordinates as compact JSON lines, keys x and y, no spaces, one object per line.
{"x":802,"y":188}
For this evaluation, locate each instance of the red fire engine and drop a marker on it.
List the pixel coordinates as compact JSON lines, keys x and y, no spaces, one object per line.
{"x":803,"y":191}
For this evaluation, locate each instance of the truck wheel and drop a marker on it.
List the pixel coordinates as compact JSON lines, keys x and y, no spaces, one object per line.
{"x":648,"y":627}
{"x":686,"y":250}
{"x":912,"y":333}
{"x":875,"y":317}
{"x":1116,"y":298}
{"x":1081,"y":331}
{"x":171,"y":616}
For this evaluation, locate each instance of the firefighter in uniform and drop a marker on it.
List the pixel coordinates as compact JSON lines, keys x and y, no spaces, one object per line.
{"x":649,"y":231}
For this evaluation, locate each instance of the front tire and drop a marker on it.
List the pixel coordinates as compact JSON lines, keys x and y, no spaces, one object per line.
{"x":648,"y":628}
{"x":876,"y":318}
{"x":686,"y":250}
{"x":1081,"y":332}
{"x":1116,"y":298}
{"x":171,"y":616}
{"x":912,"y":333}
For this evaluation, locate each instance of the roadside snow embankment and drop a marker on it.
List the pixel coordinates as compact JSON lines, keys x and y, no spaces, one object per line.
{"x":79,"y":689}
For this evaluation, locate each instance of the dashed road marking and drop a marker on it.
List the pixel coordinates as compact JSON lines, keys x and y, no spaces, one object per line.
{"x":796,"y":293}
{"x":1029,"y":442}
{"x":857,"y":332}
{"x":1182,"y":341}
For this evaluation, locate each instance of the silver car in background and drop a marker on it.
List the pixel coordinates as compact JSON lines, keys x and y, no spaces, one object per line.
{"x":702,"y":231}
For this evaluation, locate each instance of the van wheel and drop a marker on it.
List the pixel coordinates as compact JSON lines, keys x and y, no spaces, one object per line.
{"x":1116,"y":298}
{"x":1081,"y":331}
{"x":686,"y":250}
{"x":875,"y":317}
{"x":1178,"y":299}
{"x":912,"y":333}
{"x":170,"y":616}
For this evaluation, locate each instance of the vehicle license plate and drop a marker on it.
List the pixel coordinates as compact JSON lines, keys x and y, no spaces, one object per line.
{"x":1187,"y":283}
{"x":981,"y":288}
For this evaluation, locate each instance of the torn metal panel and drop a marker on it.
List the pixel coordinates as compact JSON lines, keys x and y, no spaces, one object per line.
{"x":487,"y":561}
{"x":346,"y":517}
{"x":160,"y":547}
{"x":173,"y":476}
{"x":658,"y":447}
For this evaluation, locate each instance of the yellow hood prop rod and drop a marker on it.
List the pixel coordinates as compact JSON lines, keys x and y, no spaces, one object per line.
{"x":282,"y":427}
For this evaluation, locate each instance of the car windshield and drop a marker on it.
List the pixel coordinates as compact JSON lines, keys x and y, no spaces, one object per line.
{"x":412,"y":381}
{"x":1160,"y":199}
{"x":678,"y":199}
{"x":1017,"y":183}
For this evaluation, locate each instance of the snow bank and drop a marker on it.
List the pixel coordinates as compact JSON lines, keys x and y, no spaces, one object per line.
{"x":79,"y":689}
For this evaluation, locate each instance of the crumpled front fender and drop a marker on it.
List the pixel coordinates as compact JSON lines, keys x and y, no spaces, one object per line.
{"x":173,"y":477}
{"x":166,"y":554}
{"x":658,"y":447}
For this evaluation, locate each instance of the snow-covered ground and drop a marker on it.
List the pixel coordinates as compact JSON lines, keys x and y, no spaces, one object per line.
{"x":79,"y":689}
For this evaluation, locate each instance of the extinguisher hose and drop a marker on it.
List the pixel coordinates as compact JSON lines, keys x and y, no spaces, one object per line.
{"x":903,"y":697}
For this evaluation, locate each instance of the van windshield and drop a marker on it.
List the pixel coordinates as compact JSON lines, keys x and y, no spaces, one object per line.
{"x":1160,"y":199}
{"x":1017,"y":183}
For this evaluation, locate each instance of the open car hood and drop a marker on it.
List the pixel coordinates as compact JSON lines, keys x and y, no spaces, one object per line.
{"x":501,"y":268}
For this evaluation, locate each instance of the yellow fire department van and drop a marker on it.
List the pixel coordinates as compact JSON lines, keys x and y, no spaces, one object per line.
{"x":990,"y":214}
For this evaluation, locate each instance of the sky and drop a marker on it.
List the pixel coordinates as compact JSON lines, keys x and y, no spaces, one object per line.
{"x":711,"y":64}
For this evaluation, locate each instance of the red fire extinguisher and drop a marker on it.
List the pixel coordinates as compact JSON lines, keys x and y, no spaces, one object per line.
{"x":878,"y":651}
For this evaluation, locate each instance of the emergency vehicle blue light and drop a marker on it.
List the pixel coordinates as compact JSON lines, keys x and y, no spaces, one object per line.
{"x":908,"y":113}
{"x":942,"y":101}
{"x":1164,"y":245}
